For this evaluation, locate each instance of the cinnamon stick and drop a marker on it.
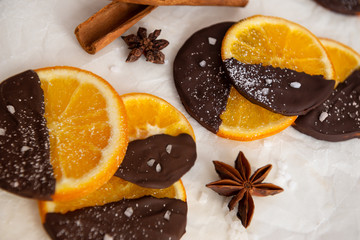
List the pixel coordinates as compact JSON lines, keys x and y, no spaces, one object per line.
{"x":234,"y":3}
{"x":108,"y":24}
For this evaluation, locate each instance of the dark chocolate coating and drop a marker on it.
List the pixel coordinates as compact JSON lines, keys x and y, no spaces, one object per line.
{"x":350,"y":7}
{"x":200,"y":78}
{"x":149,"y":164}
{"x":279,"y":90}
{"x":25,"y":167}
{"x":127,"y":219}
{"x":340,"y":114}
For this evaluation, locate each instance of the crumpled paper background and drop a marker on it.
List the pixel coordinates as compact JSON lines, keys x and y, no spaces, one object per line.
{"x":321,"y":179}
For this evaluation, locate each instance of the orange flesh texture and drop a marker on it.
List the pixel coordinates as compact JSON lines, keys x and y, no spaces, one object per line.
{"x":257,"y":123}
{"x":280,"y":43}
{"x":344,"y":59}
{"x":80,"y":132}
{"x":149,"y":115}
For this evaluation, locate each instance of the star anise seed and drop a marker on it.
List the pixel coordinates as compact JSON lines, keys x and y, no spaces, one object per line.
{"x":237,"y":182}
{"x":141,"y":44}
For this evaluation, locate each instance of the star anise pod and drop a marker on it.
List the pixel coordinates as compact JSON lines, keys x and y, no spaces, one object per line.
{"x":237,"y":182}
{"x":147,"y":45}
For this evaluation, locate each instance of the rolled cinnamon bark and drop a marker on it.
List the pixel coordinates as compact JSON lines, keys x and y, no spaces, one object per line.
{"x":234,"y":3}
{"x":108,"y":24}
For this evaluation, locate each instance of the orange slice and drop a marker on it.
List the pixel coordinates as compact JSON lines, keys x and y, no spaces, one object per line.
{"x":114,"y":190}
{"x":86,"y":119}
{"x":269,"y":41}
{"x":149,"y":115}
{"x":245,"y":121}
{"x":344,"y":59}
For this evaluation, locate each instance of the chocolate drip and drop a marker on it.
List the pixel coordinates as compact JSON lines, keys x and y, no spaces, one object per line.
{"x":338,"y":118}
{"x":158,"y":161}
{"x":351,"y":7}
{"x":279,"y":90}
{"x":25,"y":167}
{"x":130,"y":219}
{"x":199,"y":76}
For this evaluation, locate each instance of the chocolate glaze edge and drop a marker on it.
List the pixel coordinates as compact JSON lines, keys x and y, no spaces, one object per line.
{"x":341,"y":6}
{"x":158,"y":161}
{"x":342,"y":118}
{"x":279,"y":106}
{"x":131,"y":219}
{"x":25,"y":138}
{"x":212,"y":120}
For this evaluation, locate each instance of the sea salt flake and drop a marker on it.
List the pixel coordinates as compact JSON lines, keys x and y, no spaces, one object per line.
{"x":202,"y":63}
{"x":151,"y":162}
{"x":265,"y":91}
{"x":25,"y":148}
{"x":11,"y":109}
{"x":323,"y":116}
{"x":108,"y":237}
{"x":268,"y":81}
{"x":15,"y":184}
{"x":158,"y":167}
{"x":168,"y":148}
{"x":295,"y":84}
{"x":129,"y":212}
{"x":212,"y":41}
{"x":167,"y":215}
{"x":2,"y":132}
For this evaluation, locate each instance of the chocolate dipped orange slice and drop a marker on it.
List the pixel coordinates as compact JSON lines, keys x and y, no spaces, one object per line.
{"x":271,"y":62}
{"x":350,"y":7}
{"x":118,"y":210}
{"x":205,"y":90}
{"x":337,"y":118}
{"x":63,"y":133}
{"x":161,"y":142}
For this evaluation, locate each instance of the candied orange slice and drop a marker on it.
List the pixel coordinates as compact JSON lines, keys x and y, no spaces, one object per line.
{"x":344,"y":59}
{"x":149,"y":115}
{"x":114,"y":190}
{"x":268,"y":41}
{"x":87,"y":125}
